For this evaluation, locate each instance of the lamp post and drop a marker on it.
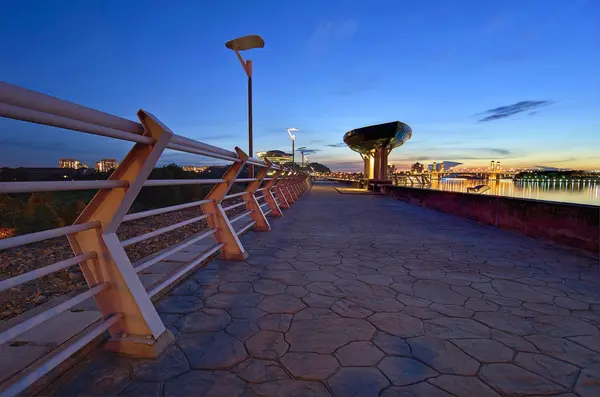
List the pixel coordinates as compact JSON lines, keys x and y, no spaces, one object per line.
{"x":293,"y":138}
{"x":242,"y":44}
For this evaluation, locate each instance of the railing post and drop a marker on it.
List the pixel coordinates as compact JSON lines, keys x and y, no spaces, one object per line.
{"x":232,"y":247}
{"x":140,"y":332}
{"x":279,"y":190}
{"x":269,"y":196}
{"x":257,"y":215}
{"x":287,"y":187}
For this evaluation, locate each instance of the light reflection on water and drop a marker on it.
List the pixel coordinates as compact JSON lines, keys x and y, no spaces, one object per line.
{"x":568,"y":192}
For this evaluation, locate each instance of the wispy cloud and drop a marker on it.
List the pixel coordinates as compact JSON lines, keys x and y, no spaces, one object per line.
{"x":326,"y":33}
{"x":341,"y":144}
{"x":306,"y":150}
{"x":510,"y":110}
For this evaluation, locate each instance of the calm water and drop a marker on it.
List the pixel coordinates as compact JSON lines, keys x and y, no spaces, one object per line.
{"x":568,"y":192}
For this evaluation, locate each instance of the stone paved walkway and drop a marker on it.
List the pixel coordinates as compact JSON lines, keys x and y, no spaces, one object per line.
{"x":367,"y":296}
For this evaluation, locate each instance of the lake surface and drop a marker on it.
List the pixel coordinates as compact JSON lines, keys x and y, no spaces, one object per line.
{"x":566,"y":192}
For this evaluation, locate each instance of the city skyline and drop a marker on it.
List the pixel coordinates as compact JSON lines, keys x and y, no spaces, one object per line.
{"x":489,"y":85}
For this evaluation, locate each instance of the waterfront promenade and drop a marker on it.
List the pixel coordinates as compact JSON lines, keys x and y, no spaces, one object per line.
{"x":363,"y":295}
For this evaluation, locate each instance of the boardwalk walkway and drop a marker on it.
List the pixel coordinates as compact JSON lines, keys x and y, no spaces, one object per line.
{"x":357,"y":295}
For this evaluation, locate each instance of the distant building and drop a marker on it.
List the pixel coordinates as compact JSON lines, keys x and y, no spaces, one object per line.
{"x":391,"y":169}
{"x":495,"y":166}
{"x":194,"y":168}
{"x":443,"y":166}
{"x":417,"y":168}
{"x":275,"y":156}
{"x":106,"y":165}
{"x":71,"y":163}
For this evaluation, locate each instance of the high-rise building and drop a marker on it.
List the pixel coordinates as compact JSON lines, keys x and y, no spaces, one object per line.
{"x":106,"y":165}
{"x":71,"y":163}
{"x":194,"y":168}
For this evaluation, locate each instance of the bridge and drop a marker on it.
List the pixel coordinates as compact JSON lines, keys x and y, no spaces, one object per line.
{"x":293,"y":288}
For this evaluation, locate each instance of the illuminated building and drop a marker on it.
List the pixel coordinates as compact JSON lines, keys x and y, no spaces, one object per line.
{"x":417,"y":168}
{"x":71,"y":163}
{"x":275,"y":156}
{"x":374,"y":144}
{"x":194,"y":168}
{"x":106,"y":165}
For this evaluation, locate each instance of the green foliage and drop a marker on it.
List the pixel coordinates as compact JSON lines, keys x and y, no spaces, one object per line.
{"x":38,"y":214}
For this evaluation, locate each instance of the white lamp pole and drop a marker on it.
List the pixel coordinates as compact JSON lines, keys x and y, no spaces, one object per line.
{"x":293,"y":138}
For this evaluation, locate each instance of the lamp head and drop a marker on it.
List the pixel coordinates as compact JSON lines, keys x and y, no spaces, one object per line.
{"x":245,"y":43}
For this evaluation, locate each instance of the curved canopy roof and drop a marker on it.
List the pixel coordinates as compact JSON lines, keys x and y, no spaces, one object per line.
{"x":388,"y":135}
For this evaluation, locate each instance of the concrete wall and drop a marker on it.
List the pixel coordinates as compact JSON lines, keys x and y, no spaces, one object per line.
{"x":575,"y":225}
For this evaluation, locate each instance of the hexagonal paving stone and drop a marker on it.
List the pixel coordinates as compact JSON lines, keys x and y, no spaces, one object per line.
{"x":358,"y":382}
{"x":258,"y":371}
{"x":513,"y":380}
{"x":290,"y":388}
{"x":375,"y":279}
{"x":358,"y":354}
{"x":168,"y":365}
{"x":179,"y":304}
{"x":347,"y":308}
{"x":438,"y":292}
{"x":412,"y":301}
{"x":463,"y":386}
{"x":146,"y":389}
{"x":512,"y":289}
{"x":281,"y":304}
{"x":313,"y":313}
{"x":320,"y":276}
{"x":296,"y":291}
{"x":236,"y":288}
{"x":442,"y":356}
{"x":188,"y":287}
{"x":467,"y":291}
{"x":452,"y":310}
{"x":267,"y":344}
{"x":205,"y":384}
{"x":453,"y":328}
{"x":398,"y":324}
{"x":563,"y":326}
{"x":312,"y":366}
{"x":98,"y":374}
{"x":391,"y":344}
{"x":515,"y":342}
{"x":325,"y":289}
{"x":379,"y":303}
{"x":485,"y":350}
{"x":403,"y":371}
{"x":326,"y":335}
{"x":570,"y":304}
{"x":322,"y":301}
{"x":275,"y":322}
{"x":228,"y":301}
{"x":505,"y":322}
{"x":481,"y":305}
{"x":241,"y":329}
{"x":422,"y":389}
{"x":558,"y":371}
{"x":211,"y":350}
{"x":588,"y":384}
{"x":269,"y":287}
{"x":204,"y":320}
{"x":591,"y":342}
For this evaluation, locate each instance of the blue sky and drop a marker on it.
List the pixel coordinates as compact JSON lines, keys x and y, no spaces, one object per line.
{"x":327,"y":67}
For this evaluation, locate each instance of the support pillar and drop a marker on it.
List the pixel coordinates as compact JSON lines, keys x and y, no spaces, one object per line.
{"x":140,"y":332}
{"x":225,"y":233}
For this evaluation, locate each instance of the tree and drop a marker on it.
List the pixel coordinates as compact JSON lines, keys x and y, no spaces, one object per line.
{"x":39,"y":215}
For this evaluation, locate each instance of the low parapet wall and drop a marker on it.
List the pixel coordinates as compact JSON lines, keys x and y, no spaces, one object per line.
{"x":575,"y":225}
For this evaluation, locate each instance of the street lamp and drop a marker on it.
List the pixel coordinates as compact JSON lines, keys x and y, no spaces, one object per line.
{"x":242,"y":44}
{"x":293,"y":138}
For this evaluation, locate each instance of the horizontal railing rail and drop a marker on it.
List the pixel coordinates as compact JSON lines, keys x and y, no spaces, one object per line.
{"x":113,"y":281}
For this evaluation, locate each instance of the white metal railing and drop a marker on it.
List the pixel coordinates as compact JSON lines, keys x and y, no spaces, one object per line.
{"x":113,"y":282}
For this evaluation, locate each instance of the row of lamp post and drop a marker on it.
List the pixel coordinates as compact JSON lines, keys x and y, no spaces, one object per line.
{"x":247,"y":43}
